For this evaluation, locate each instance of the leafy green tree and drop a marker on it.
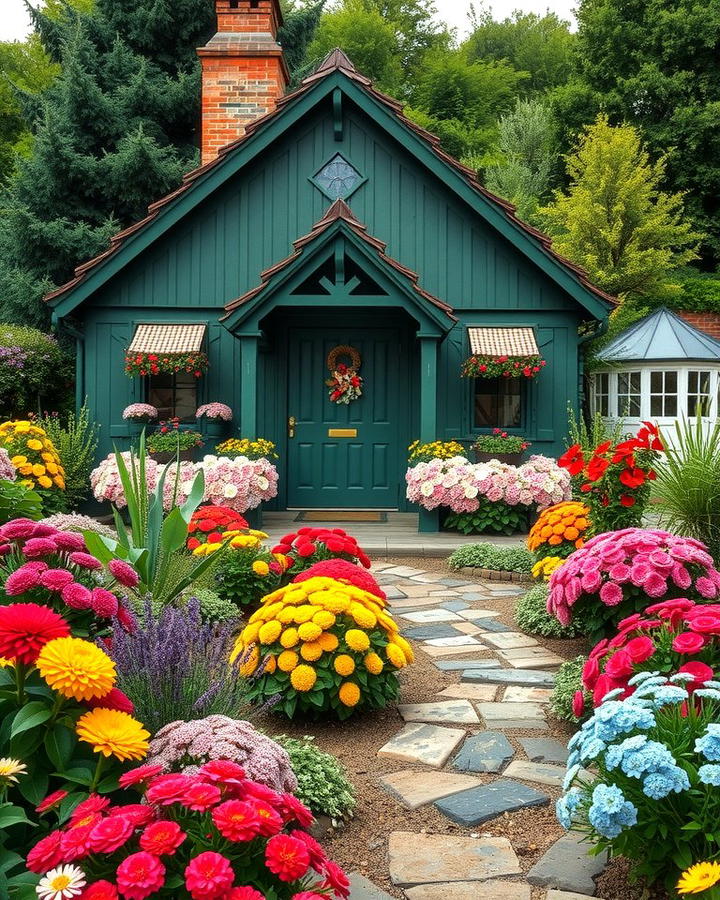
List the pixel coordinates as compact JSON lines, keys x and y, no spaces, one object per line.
{"x":614,"y":219}
{"x":417,"y":30}
{"x":528,"y":143}
{"x":656,"y":65}
{"x":542,"y":46}
{"x":296,"y":35}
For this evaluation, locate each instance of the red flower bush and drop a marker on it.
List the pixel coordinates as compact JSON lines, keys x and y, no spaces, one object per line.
{"x":308,"y":546}
{"x":673,"y":636}
{"x":616,"y":479}
{"x":347,"y":572}
{"x":246,"y":844}
{"x":208,"y":524}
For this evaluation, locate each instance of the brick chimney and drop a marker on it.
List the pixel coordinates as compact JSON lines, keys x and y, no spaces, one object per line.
{"x":243,"y":71}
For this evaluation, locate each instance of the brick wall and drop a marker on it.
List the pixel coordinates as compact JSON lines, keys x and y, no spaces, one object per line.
{"x":704,"y":321}
{"x":243,"y":71}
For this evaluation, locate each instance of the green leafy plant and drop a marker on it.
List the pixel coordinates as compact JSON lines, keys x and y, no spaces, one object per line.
{"x":18,"y":502}
{"x":213,"y":607}
{"x":490,"y":518}
{"x":500,"y":442}
{"x":568,"y":681}
{"x":532,"y":616}
{"x":75,"y":438}
{"x":418,"y":452}
{"x":490,"y":556}
{"x":237,"y":581}
{"x":687,"y":485}
{"x":172,"y":441}
{"x":34,"y":371}
{"x":153,"y":539}
{"x":323,"y":784}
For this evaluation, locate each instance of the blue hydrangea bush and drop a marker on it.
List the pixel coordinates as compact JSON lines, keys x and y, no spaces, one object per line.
{"x":643,"y":776}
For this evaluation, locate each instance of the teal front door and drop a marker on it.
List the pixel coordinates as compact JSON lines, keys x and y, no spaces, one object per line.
{"x":346,"y":456}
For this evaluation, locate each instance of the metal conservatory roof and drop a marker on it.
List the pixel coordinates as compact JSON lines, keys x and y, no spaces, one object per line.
{"x":661,"y":335}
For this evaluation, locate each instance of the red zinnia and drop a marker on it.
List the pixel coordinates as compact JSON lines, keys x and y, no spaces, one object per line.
{"x":704,"y":624}
{"x":138,"y":775}
{"x":162,"y":838}
{"x":688,"y":642}
{"x":237,"y":820}
{"x":110,"y":834}
{"x":640,"y":649}
{"x":100,"y":890}
{"x":287,"y":857}
{"x":140,"y":875}
{"x":167,"y":789}
{"x":46,"y":854}
{"x":223,"y":771}
{"x":51,"y":801}
{"x":578,"y":704}
{"x":138,"y":813}
{"x":337,"y":879}
{"x":94,"y":804}
{"x":208,"y":876}
{"x":25,"y":628}
{"x":201,"y":797}
{"x":114,"y":699}
{"x":248,"y":893}
{"x":699,"y":671}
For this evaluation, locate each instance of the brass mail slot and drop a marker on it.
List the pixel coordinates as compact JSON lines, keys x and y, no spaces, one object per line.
{"x":342,"y":432}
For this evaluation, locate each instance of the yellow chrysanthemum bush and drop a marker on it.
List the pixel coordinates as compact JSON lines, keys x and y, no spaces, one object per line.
{"x":560,"y":530}
{"x":322,"y":646}
{"x":36,"y":461}
{"x":544,"y":567}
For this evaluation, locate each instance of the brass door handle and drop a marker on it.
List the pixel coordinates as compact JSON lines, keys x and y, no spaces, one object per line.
{"x":292,"y":422}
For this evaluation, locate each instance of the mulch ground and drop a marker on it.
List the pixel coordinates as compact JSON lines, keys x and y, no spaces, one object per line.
{"x":361,"y":844}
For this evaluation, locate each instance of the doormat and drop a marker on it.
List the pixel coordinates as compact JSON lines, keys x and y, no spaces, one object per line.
{"x":341,"y":515}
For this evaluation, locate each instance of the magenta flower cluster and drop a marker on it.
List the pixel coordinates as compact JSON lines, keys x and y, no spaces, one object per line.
{"x":45,"y":565}
{"x":619,"y":565}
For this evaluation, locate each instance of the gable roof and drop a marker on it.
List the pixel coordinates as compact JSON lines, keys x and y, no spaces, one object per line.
{"x":338,"y":216}
{"x":337,"y":65}
{"x":661,"y":335}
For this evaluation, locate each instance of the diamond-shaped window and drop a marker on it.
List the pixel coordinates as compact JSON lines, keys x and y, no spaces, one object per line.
{"x":338,"y":179}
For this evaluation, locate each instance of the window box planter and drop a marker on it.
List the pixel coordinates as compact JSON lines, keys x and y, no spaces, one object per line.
{"x":510,"y":459}
{"x":164,"y":457}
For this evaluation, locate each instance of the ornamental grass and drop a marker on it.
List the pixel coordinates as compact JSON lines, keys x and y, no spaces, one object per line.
{"x":322,"y":646}
{"x":559,"y":530}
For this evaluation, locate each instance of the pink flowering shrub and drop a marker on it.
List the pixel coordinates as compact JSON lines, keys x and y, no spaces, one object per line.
{"x":7,"y":469}
{"x":238,"y":482}
{"x":620,"y":573}
{"x":140,"y":412}
{"x":185,"y":746}
{"x":460,"y":485}
{"x":41,"y":564}
{"x":105,"y":479}
{"x":214,"y":411}
{"x":176,"y":489}
{"x":79,"y":523}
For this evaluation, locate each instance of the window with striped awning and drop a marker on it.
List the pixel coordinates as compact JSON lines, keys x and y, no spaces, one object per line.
{"x":518,"y":342}
{"x":168,"y":339}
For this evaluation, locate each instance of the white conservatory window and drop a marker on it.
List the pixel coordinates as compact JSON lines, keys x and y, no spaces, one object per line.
{"x":698,"y":394}
{"x":663,"y":394}
{"x":629,"y":394}
{"x":602,"y":393}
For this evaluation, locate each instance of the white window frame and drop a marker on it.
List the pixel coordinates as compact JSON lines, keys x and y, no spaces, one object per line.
{"x":622,"y":405}
{"x":683,"y":372}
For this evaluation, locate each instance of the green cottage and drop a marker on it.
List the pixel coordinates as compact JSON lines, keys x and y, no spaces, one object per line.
{"x":324,"y":228}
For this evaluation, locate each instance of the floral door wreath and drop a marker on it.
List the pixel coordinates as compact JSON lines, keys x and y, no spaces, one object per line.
{"x":344,"y":383}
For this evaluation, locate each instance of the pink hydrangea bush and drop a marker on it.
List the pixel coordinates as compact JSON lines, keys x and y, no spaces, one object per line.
{"x":185,"y":746}
{"x":140,"y":412}
{"x":7,"y":469}
{"x":177,"y":486}
{"x":459,"y":485}
{"x":238,"y":482}
{"x":620,"y":573}
{"x":105,"y":479}
{"x":214,"y":411}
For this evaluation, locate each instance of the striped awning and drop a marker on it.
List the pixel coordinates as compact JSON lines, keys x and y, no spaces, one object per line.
{"x":503,"y":342}
{"x":167,"y":339}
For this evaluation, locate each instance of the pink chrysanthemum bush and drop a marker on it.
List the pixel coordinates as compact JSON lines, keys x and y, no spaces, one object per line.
{"x":212,"y":835}
{"x":620,"y":573}
{"x":238,"y":482}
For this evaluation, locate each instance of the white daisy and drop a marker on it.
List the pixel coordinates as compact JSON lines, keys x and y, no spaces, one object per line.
{"x":62,"y":883}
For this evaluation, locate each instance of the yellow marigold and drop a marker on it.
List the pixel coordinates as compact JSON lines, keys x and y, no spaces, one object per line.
{"x":59,"y":481}
{"x":270,"y":665}
{"x":373,"y":663}
{"x":388,"y":623}
{"x":294,"y":596}
{"x":309,"y":631}
{"x":76,"y":668}
{"x":287,"y":660}
{"x":270,"y":611}
{"x":328,"y":641}
{"x":304,"y":613}
{"x":362,"y":617}
{"x":260,"y":567}
{"x":270,"y":632}
{"x":311,"y":651}
{"x":562,"y":523}
{"x":289,"y":638}
{"x":34,"y":444}
{"x":349,"y":694}
{"x":113,"y":733}
{"x":287,"y":615}
{"x":303,"y":678}
{"x":250,"y":662}
{"x":357,"y":640}
{"x":38,"y":469}
{"x":324,"y":619}
{"x":546,"y":566}
{"x":699,"y":878}
{"x":45,"y":482}
{"x":19,"y":460}
{"x":405,"y":647}
{"x":336,"y":603}
{"x":344,"y":665}
{"x":395,"y":656}
{"x":250,"y":632}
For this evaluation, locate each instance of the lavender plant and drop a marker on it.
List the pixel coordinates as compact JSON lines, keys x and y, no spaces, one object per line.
{"x":175,"y":667}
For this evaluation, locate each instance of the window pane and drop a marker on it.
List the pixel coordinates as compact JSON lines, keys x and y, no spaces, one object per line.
{"x":160,"y":394}
{"x":634,"y":382}
{"x":603,"y":406}
{"x":671,"y":382}
{"x":173,"y":395}
{"x":656,"y":383}
{"x":656,"y":406}
{"x":693,"y":378}
{"x":604,"y":383}
{"x":497,"y":403}
{"x":670,"y":406}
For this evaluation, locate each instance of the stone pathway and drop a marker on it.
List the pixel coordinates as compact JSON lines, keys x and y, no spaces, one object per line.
{"x":454,"y":742}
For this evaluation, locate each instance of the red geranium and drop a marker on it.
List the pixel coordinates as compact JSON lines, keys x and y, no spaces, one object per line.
{"x":208,"y":523}
{"x":308,"y":546}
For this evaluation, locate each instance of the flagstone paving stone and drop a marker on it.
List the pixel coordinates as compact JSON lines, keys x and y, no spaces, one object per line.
{"x":510,"y":640}
{"x":427,"y":578}
{"x":454,"y":650}
{"x":457,"y":640}
{"x":567,"y":866}
{"x":515,"y":693}
{"x":427,"y":616}
{"x":565,"y":895}
{"x":428,"y":632}
{"x":438,"y":858}
{"x":541,"y":773}
{"x":453,"y":583}
{"x":489,"y":751}
{"x":490,"y":800}
{"x":431,"y":745}
{"x":497,"y":712}
{"x":487,"y":623}
{"x":529,"y":678}
{"x":456,"y":665}
{"x":469,"y":890}
{"x":417,"y":789}
{"x":415,"y":604}
{"x":466,"y":628}
{"x":479,"y":693}
{"x":544,"y":750}
{"x":404,"y":571}
{"x":530,"y":657}
{"x":362,"y":889}
{"x":392,"y":593}
{"x":450,"y":712}
{"x":415,"y":590}
{"x":455,"y":605}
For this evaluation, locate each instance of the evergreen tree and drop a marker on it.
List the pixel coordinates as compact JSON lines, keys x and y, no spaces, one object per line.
{"x":614,"y":219}
{"x":296,"y":35}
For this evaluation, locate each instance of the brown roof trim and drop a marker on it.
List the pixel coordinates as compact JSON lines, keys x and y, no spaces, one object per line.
{"x":340,"y":211}
{"x":337,"y":60}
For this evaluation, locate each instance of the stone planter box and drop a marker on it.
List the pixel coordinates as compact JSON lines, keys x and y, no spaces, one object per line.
{"x":496,"y":575}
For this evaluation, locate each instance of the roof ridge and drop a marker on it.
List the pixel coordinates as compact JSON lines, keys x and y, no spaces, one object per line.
{"x":336,"y":59}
